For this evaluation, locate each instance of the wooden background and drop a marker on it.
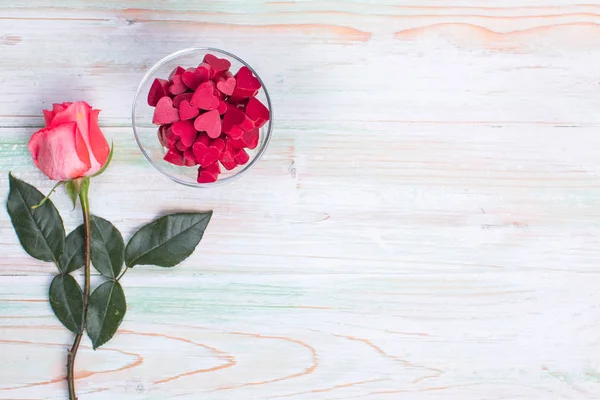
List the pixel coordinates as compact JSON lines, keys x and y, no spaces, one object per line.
{"x":425,"y":224}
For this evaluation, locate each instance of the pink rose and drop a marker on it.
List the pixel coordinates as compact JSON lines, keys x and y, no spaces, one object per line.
{"x":71,"y":145}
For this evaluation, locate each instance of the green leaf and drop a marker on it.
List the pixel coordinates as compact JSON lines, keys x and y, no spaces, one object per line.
{"x":108,"y":160}
{"x":66,"y":300}
{"x":168,"y":240}
{"x":106,"y":310}
{"x":106,"y":248}
{"x":40,"y":230}
{"x":72,"y":191}
{"x":73,"y":256}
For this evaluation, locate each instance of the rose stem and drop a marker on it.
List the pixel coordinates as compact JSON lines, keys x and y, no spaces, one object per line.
{"x":85,"y":207}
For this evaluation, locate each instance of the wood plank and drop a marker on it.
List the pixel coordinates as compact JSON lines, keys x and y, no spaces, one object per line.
{"x":530,"y":83}
{"x":340,"y":336}
{"x":424,"y":224}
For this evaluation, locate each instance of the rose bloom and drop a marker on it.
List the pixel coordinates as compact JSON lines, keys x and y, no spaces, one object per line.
{"x":71,"y":145}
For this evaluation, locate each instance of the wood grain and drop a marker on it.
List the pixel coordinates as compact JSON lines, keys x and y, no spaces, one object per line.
{"x":424,"y":225}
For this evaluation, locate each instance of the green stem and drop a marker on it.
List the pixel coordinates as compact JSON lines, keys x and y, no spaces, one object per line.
{"x":122,"y":273}
{"x":85,"y":207}
{"x":41,"y":203}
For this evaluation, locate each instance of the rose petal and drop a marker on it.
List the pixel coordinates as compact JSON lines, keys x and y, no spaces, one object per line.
{"x":98,"y":143}
{"x":80,"y":112}
{"x":60,"y":152}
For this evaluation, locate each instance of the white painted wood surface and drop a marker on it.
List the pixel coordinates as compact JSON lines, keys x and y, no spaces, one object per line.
{"x":425,"y":224}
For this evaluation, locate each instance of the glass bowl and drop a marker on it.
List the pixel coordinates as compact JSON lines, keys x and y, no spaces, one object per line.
{"x":146,"y":132}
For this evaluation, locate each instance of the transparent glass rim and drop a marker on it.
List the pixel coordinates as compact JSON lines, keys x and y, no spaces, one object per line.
{"x":262,"y":149}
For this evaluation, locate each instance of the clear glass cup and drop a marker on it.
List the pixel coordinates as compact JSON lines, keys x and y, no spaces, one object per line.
{"x":146,"y":132}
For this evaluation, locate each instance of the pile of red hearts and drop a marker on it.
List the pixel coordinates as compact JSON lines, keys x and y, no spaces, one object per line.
{"x":208,"y":116}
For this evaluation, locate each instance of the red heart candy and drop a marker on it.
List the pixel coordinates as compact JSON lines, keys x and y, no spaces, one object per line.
{"x":229,"y":165}
{"x":226,"y":83}
{"x":257,"y":112}
{"x":236,"y":132}
{"x":170,"y":137}
{"x":247,"y":124}
{"x":159,"y":89}
{"x":189,"y":158}
{"x":235,"y":123}
{"x":204,"y":97}
{"x":203,"y":138}
{"x":177,"y":71}
{"x":208,"y":71}
{"x":222,"y":107}
{"x":178,"y":87}
{"x":186,"y":132}
{"x":193,"y":77}
{"x":166,"y":137}
{"x":187,"y":111}
{"x":162,"y":135}
{"x":180,"y":146}
{"x":206,"y":177}
{"x":219,"y":95}
{"x":239,"y":102}
{"x":165,"y":113}
{"x":217,"y":64}
{"x":251,"y":138}
{"x":205,"y":155}
{"x":219,"y":144}
{"x":174,"y":157}
{"x":226,"y":86}
{"x":237,"y":143}
{"x":214,"y":168}
{"x":241,"y":157}
{"x":161,"y":138}
{"x":226,"y":158}
{"x":246,"y":79}
{"x":233,"y":117}
{"x":209,"y":174}
{"x":240,"y":95}
{"x":227,"y":153}
{"x":209,"y":122}
{"x":247,"y":85}
{"x":180,"y":97}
